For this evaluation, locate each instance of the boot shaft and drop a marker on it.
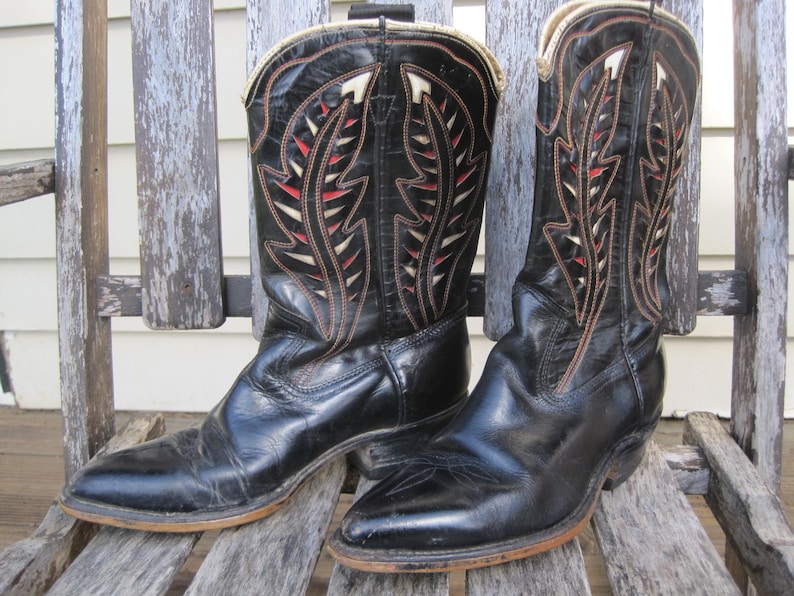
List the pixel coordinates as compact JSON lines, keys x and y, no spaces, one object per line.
{"x":618,"y":85}
{"x":370,"y":143}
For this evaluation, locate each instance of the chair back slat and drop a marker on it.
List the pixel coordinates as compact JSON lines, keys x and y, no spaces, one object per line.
{"x":81,"y":232}
{"x":761,"y":185}
{"x":682,"y":252}
{"x":177,"y":162}
{"x":267,"y":23}
{"x":432,"y":11}
{"x":512,"y":30}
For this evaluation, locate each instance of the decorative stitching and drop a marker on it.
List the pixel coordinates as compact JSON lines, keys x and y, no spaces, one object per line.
{"x":666,"y":134}
{"x":438,"y":135}
{"x":314,"y":205}
{"x":584,"y":171}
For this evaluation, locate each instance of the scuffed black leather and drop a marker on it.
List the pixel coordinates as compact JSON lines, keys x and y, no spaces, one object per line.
{"x":370,"y":145}
{"x":577,"y":384}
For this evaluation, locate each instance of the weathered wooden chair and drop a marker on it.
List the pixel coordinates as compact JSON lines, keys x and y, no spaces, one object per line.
{"x":649,"y":536}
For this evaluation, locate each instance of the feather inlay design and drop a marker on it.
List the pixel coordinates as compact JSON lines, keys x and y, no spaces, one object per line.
{"x":668,"y":119}
{"x":326,"y":247}
{"x":439,"y":142}
{"x":582,"y":243}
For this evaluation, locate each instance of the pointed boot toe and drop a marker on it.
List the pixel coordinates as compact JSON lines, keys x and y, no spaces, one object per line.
{"x":163,"y":483}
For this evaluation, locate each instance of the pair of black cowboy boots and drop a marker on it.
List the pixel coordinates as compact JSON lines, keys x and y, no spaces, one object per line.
{"x":370,"y":150}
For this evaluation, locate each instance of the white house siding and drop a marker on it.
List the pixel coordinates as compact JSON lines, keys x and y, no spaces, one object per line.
{"x":191,"y":370}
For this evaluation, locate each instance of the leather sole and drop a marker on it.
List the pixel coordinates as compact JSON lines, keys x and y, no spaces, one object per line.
{"x":406,"y":437}
{"x":615,"y":469}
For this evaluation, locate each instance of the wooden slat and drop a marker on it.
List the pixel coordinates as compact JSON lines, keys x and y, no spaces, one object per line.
{"x":689,"y":468}
{"x":652,"y":540}
{"x":276,"y":554}
{"x":682,"y":255}
{"x":430,"y":11}
{"x":176,"y":151}
{"x":791,"y":162}
{"x":25,"y":180}
{"x":81,"y":226}
{"x":750,"y":514}
{"x":560,"y":571}
{"x":722,"y":293}
{"x":761,"y":160}
{"x":512,"y":30}
{"x":120,"y":296}
{"x":345,"y":581}
{"x":761,"y":230}
{"x":267,"y":23}
{"x":32,"y":565}
{"x":121,"y":561}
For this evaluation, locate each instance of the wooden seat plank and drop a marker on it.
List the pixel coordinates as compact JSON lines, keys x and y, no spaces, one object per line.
{"x":345,"y":581}
{"x":177,"y":158}
{"x":278,"y":553}
{"x":563,"y":568}
{"x":121,"y":561}
{"x":32,"y":565}
{"x":651,"y":539}
{"x":750,"y":514}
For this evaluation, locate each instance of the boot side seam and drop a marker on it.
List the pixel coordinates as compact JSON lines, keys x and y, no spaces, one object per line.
{"x":295,"y":390}
{"x":632,"y":162}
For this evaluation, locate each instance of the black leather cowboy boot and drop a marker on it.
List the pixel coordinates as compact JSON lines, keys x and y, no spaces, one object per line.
{"x":370,"y":148}
{"x":572,"y":393}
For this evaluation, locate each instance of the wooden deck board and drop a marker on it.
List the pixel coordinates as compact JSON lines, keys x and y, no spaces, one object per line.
{"x":31,"y":465}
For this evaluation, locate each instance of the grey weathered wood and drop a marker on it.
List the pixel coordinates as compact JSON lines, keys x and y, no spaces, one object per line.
{"x":791,"y":162}
{"x":749,"y":512}
{"x":348,"y":582}
{"x":560,"y":571}
{"x":25,"y":180}
{"x":176,"y":153}
{"x":689,"y":467}
{"x":682,"y":251}
{"x":512,"y":33}
{"x":760,"y":163}
{"x":32,"y":565}
{"x":267,"y":23}
{"x":761,"y":154}
{"x":120,"y":295}
{"x":652,"y":540}
{"x":431,"y":11}
{"x":275,"y":555}
{"x":121,"y":561}
{"x":722,"y":293}
{"x":81,"y":226}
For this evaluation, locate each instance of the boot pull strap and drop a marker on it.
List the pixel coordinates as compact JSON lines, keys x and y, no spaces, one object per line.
{"x":395,"y":12}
